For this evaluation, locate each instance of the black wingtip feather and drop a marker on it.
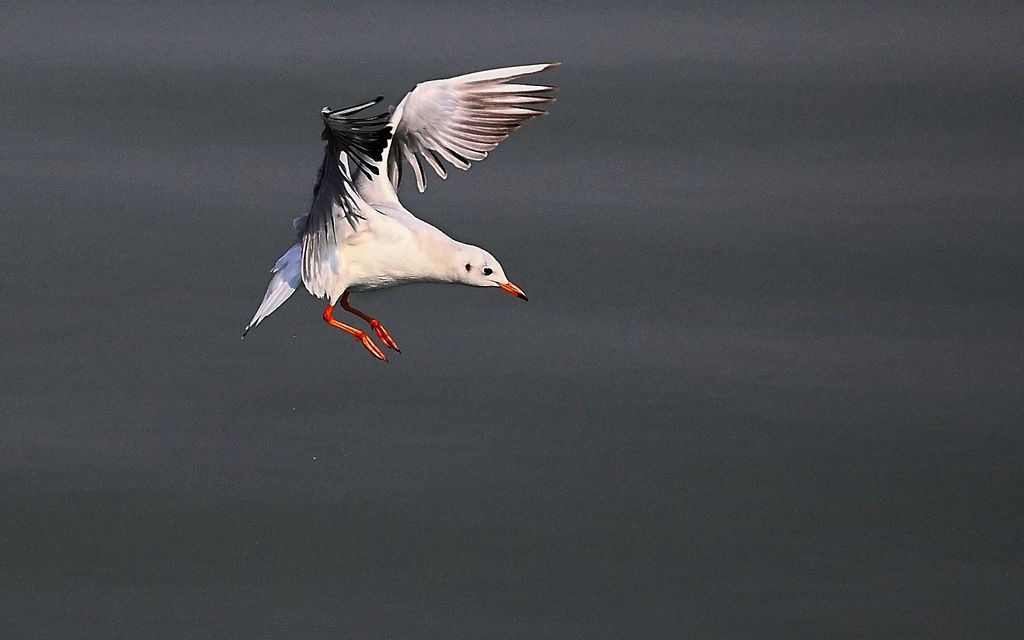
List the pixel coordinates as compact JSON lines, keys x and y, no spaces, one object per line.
{"x":362,"y":138}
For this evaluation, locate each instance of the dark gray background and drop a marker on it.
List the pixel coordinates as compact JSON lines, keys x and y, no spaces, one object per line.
{"x":768,"y":384}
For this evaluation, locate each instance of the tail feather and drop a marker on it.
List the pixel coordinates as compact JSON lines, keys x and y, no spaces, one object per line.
{"x":287,"y":275}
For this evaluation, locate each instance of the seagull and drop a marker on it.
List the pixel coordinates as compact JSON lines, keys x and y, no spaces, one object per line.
{"x":357,"y":236}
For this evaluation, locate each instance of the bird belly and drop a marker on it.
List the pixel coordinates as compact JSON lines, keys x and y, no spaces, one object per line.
{"x":374,"y":282}
{"x":380,"y":267}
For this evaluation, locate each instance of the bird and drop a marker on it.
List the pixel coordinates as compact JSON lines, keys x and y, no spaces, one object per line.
{"x":358,"y":236}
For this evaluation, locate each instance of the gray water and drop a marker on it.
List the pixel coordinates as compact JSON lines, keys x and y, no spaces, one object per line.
{"x":768,"y":383}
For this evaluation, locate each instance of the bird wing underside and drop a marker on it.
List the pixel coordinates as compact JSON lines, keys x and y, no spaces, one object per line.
{"x":460,"y":120}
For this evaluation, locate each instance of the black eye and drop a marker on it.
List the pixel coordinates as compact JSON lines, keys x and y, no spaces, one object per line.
{"x":468,"y":268}
{"x":488,"y":271}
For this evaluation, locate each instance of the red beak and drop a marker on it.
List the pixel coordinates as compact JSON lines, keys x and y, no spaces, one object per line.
{"x":512,"y":289}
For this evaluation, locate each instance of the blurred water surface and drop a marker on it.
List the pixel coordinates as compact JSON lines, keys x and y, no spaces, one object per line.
{"x":768,"y":383}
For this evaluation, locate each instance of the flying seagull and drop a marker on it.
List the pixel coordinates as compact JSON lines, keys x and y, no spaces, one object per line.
{"x":357,"y":236}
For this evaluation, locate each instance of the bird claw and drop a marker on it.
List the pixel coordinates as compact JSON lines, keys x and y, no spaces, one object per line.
{"x":371,"y":347}
{"x":384,"y":336}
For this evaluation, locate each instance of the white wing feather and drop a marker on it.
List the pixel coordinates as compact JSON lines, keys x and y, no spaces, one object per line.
{"x":456,"y":121}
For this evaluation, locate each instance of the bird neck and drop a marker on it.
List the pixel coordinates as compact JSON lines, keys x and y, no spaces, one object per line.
{"x":444,"y":255}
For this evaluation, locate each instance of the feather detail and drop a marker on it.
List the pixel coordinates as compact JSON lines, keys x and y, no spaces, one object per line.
{"x":459,"y":120}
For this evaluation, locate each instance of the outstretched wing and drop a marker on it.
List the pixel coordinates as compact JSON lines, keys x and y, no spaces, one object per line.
{"x":353,"y":144}
{"x":461,"y":119}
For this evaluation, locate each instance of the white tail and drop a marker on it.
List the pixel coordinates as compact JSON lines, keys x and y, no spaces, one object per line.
{"x":287,"y":274}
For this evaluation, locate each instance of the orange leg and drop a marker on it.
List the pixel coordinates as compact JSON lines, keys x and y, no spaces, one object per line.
{"x":356,"y":333}
{"x":382,"y":333}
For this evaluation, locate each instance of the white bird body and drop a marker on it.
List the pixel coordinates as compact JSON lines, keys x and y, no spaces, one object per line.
{"x":396,"y":248}
{"x":357,"y":235}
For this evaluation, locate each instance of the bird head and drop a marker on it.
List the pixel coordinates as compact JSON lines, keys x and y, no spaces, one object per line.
{"x":478,"y":268}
